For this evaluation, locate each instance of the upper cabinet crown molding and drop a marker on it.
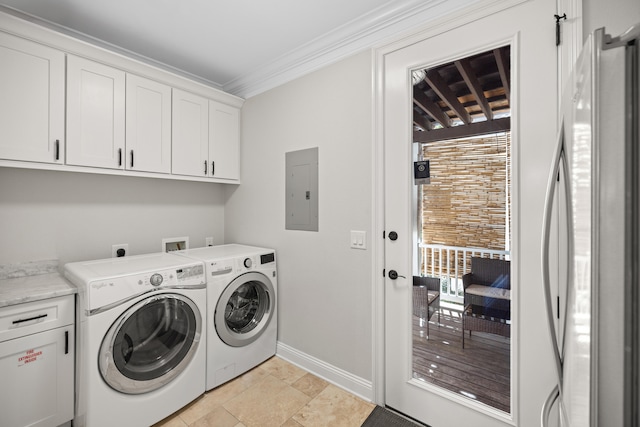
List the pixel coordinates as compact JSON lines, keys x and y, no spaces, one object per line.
{"x":99,"y":51}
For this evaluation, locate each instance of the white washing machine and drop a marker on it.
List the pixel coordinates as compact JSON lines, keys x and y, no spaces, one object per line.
{"x":141,"y":331}
{"x":241,"y":308}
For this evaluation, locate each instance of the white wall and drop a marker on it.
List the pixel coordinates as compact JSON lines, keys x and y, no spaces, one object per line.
{"x":324,"y":287}
{"x":77,"y":216}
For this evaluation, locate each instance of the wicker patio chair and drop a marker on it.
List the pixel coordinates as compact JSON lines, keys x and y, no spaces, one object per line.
{"x":426,"y":298}
{"x":487,"y":297}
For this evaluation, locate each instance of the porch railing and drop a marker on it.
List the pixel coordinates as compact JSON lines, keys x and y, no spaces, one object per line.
{"x":450,"y":263}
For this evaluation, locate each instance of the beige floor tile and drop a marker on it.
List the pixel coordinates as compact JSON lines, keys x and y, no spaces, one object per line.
{"x":291,"y":423}
{"x":310,"y":385}
{"x":283,"y":370}
{"x":268,"y":403}
{"x":172,"y":421}
{"x":216,"y":397}
{"x":334,"y":407}
{"x":219,"y":417}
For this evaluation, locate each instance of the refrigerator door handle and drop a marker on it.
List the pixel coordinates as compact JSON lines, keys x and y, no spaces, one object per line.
{"x":548,"y":404}
{"x":546,"y":231}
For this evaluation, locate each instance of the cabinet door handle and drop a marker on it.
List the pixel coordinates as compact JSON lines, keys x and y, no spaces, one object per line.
{"x":205,"y":167}
{"x":213,"y":167}
{"x":40,"y":316}
{"x":131,"y":158}
{"x":57,"y":149}
{"x":66,"y":342}
{"x":119,"y":156}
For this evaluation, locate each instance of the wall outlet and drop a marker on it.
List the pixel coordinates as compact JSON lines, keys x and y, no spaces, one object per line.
{"x":208,"y":241}
{"x":119,"y":250}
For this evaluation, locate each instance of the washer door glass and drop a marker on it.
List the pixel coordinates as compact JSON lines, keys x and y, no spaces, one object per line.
{"x":245,"y":309}
{"x":150,"y":343}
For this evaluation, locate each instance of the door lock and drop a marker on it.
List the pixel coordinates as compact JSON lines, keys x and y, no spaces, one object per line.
{"x":393,"y":275}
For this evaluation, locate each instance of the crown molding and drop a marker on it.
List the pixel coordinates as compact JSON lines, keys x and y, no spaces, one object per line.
{"x":384,"y":23}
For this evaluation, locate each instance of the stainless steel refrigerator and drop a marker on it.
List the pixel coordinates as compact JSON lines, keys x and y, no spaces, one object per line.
{"x":595,"y":171}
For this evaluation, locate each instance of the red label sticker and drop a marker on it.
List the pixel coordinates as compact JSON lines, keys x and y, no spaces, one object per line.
{"x":29,"y":356}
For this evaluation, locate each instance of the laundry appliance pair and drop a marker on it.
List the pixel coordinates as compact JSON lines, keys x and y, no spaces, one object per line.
{"x":155,"y":331}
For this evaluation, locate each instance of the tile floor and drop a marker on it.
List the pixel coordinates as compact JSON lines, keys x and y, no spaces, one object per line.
{"x":276,"y":393}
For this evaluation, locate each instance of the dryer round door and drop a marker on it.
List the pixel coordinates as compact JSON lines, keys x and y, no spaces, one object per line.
{"x":245,"y":309}
{"x":150,"y":344}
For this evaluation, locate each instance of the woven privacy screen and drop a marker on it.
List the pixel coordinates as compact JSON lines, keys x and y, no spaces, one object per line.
{"x":468,"y":201}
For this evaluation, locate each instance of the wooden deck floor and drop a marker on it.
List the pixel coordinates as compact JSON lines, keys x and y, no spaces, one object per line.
{"x":480,"y":371}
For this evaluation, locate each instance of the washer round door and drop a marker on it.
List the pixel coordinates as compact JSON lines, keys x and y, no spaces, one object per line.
{"x":150,"y":344}
{"x":245,"y":309}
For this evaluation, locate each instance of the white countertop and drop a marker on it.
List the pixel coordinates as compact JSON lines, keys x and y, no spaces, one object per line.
{"x":34,"y":288}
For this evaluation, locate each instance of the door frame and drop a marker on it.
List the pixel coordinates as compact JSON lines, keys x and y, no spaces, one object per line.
{"x":477,"y":11}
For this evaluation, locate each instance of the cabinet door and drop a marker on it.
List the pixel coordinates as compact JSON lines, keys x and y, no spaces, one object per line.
{"x":190,"y":134}
{"x":31,"y":101}
{"x":148,"y":125}
{"x":224,"y":141}
{"x":37,"y":377}
{"x":95,"y":114}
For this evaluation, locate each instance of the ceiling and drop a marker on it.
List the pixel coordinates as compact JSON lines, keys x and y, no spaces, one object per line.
{"x":240,"y":46}
{"x":467,"y":97}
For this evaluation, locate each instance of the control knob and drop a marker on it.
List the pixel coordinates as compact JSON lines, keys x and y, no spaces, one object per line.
{"x":248,"y":263}
{"x":156,"y":279}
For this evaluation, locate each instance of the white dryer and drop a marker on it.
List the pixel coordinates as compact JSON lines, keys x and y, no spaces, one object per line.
{"x":141,"y":330}
{"x":241,"y":308}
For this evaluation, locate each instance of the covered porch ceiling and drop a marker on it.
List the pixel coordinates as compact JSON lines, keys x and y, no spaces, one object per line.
{"x":466,"y":97}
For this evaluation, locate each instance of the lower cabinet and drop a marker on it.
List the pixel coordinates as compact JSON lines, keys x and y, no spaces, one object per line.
{"x":37,"y":363}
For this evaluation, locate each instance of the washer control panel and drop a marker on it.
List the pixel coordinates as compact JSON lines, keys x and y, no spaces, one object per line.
{"x":107,"y":291}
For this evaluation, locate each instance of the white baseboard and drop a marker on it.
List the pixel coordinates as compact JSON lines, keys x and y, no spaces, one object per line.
{"x":339,"y":377}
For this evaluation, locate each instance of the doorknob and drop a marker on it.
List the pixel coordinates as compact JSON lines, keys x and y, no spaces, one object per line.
{"x":393,"y":275}
{"x":393,"y":235}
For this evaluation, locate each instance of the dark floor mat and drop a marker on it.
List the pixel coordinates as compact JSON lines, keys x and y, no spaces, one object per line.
{"x":382,"y":417}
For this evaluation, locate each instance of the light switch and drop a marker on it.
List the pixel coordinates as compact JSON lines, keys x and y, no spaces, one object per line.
{"x":358,"y":239}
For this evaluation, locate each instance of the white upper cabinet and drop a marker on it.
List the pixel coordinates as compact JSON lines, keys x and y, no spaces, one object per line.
{"x":95,"y":114}
{"x":190,"y":134}
{"x":224,"y":141}
{"x":67,"y":105}
{"x":31,"y":101}
{"x":148,"y":125}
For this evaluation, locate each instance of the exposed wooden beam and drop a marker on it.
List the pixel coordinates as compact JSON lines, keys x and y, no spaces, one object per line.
{"x":503,"y":69}
{"x":446,"y":94}
{"x":430,"y":108}
{"x":421,"y":121}
{"x":473,"y":129}
{"x":470,"y":78}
